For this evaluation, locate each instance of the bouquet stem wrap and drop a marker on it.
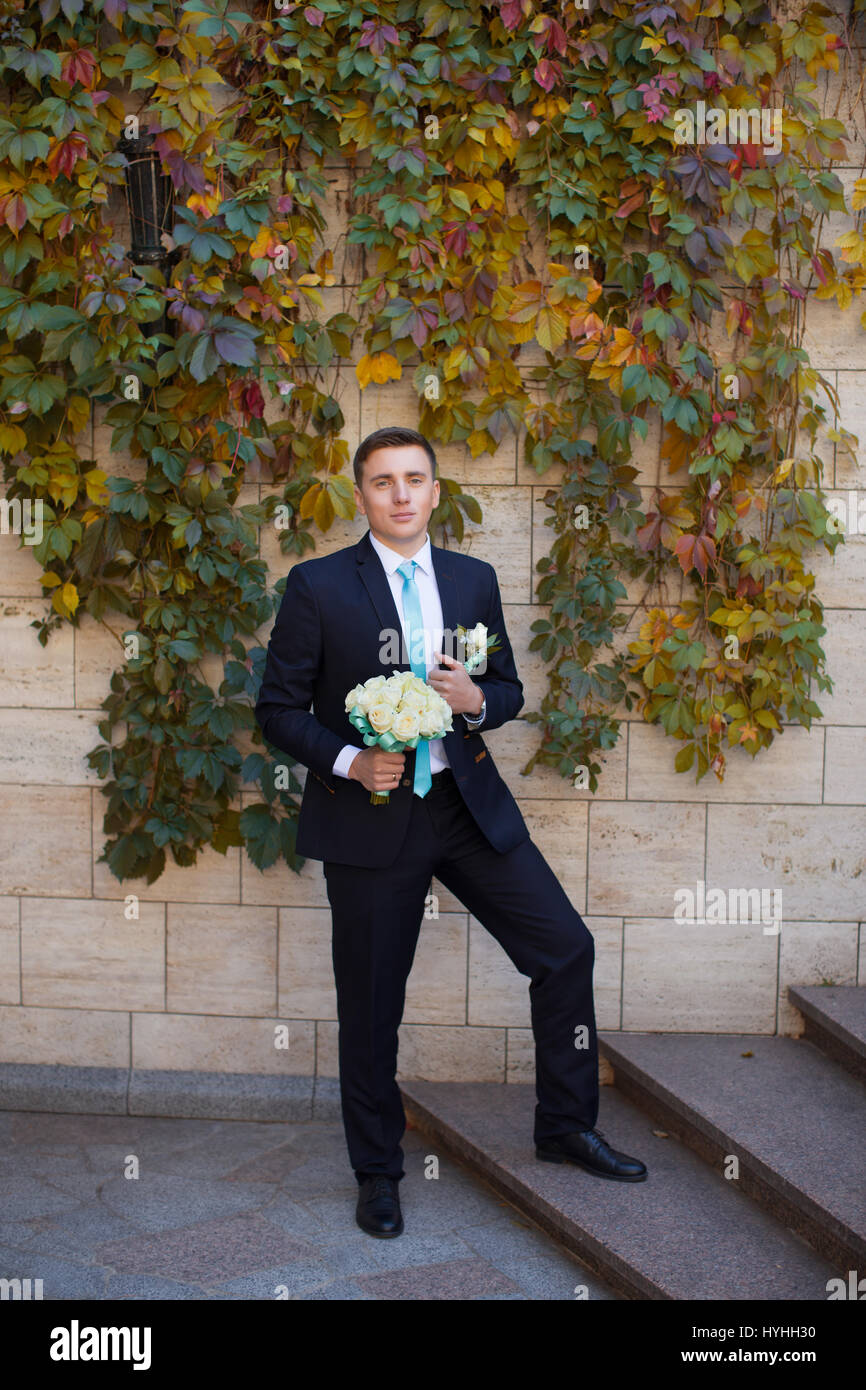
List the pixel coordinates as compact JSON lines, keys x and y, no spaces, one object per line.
{"x":386,"y":741}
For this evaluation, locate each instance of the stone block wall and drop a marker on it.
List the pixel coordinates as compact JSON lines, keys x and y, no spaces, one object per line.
{"x":222,"y":954}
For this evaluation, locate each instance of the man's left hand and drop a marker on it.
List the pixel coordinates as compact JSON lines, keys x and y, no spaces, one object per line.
{"x":456,"y":686}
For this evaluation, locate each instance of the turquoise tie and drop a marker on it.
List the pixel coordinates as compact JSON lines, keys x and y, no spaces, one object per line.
{"x":415,"y":638}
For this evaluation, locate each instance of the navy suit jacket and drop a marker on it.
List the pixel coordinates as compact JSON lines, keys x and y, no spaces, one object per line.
{"x":327,"y":638}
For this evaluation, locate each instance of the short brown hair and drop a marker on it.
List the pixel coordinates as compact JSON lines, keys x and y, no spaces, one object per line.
{"x":392,"y":436}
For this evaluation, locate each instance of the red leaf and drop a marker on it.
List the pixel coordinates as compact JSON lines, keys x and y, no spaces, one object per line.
{"x":630,"y":204}
{"x":684,"y":549}
{"x":510,"y":12}
{"x":694,"y":552}
{"x":14,"y":212}
{"x":546,"y":74}
{"x":556,"y":38}
{"x":252,"y":400}
{"x":79,"y":67}
{"x":113,"y":10}
{"x":61,"y":158}
{"x":647,"y":536}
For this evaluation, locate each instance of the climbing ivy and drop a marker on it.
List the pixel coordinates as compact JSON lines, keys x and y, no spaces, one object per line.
{"x":542,"y":253}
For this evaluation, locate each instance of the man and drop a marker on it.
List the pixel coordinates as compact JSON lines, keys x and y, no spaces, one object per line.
{"x":448,"y":813}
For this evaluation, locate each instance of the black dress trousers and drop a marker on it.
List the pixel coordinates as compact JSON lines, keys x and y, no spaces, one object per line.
{"x":376,"y":916}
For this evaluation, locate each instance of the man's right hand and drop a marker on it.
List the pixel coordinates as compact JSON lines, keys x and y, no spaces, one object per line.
{"x":377,"y":770}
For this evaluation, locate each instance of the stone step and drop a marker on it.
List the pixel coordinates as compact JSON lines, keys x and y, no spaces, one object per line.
{"x":835,"y":1018}
{"x":684,"y":1233}
{"x":795,"y":1120}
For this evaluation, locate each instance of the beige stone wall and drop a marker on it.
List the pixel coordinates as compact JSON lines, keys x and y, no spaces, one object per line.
{"x":220,"y":954}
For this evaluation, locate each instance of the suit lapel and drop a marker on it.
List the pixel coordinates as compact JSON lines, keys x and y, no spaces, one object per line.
{"x":376,"y":583}
{"x":449,"y":595}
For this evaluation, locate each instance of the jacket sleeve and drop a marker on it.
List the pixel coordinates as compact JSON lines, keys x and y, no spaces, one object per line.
{"x":500,"y":683}
{"x":293,"y":661}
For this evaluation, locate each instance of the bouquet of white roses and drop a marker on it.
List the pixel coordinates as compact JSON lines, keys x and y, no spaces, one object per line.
{"x":397,"y":712}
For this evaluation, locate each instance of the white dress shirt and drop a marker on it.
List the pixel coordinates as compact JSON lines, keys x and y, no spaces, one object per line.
{"x":431,"y":613}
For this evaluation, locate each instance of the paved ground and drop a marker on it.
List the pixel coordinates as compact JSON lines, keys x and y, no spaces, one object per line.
{"x":228,"y":1209}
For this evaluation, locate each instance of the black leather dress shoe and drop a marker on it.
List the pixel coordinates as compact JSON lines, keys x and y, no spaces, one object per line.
{"x":590,"y":1150}
{"x":378,"y":1210}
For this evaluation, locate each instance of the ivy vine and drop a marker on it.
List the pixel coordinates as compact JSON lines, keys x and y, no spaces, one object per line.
{"x":671,"y":285}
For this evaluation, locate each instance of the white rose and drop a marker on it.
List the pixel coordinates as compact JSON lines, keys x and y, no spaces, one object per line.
{"x":430,"y":723}
{"x":354,"y":697}
{"x":406,"y":725}
{"x":374,"y":683}
{"x":476,"y":640}
{"x":413,"y":700}
{"x":389,"y":696}
{"x":381,"y":716}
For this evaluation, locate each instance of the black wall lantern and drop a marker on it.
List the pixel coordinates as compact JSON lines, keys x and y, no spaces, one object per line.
{"x":150,"y":200}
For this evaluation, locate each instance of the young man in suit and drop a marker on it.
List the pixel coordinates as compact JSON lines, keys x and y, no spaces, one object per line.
{"x":449,"y":813}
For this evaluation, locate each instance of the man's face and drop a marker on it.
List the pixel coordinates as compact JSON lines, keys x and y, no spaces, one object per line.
{"x":398,"y":493}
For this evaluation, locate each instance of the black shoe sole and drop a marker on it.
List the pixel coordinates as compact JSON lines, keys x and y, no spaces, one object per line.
{"x":381,"y":1235}
{"x":596,"y":1172}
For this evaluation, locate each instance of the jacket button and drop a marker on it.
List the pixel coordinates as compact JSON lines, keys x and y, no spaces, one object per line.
{"x":406,"y":782}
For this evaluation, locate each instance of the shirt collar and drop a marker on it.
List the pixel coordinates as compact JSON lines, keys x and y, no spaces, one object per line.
{"x":392,"y":559}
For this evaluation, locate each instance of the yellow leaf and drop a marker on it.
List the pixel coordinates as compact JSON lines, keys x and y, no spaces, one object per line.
{"x":526,"y":301}
{"x":200,"y":100}
{"x":336,"y":454}
{"x":323,"y":512}
{"x":454,"y":363}
{"x":843,"y":295}
{"x":312,"y":293}
{"x":65,"y":600}
{"x":210,"y":77}
{"x":265,"y":238}
{"x":505,"y":140}
{"x":309,"y":500}
{"x":381,"y":367}
{"x":676,"y":447}
{"x":94,"y":483}
{"x":851,"y":245}
{"x":479,"y":442}
{"x":858,"y":197}
{"x":12,"y":438}
{"x":550,"y":330}
{"x":78,"y":410}
{"x":205,"y":203}
{"x":386,"y":368}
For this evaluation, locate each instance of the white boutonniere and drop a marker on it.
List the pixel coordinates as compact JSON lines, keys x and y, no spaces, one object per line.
{"x":478,"y":644}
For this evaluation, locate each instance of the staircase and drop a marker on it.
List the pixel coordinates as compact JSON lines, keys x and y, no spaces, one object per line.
{"x":787,"y":1116}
